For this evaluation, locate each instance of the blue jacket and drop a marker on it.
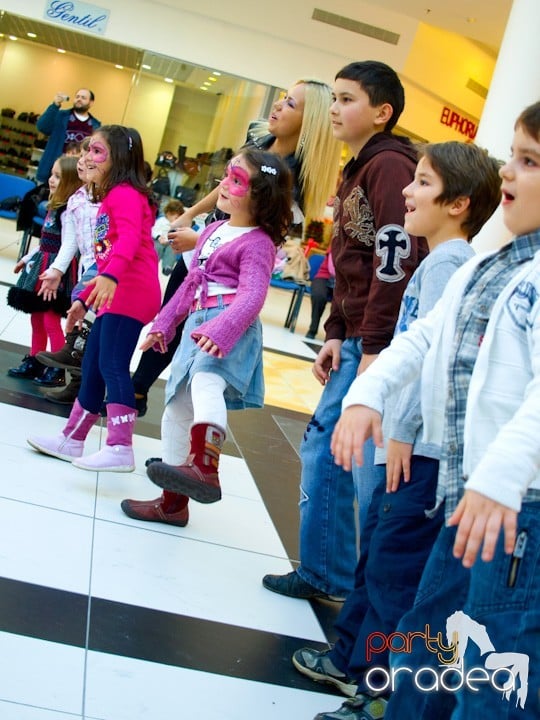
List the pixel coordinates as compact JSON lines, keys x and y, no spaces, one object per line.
{"x":53,"y":122}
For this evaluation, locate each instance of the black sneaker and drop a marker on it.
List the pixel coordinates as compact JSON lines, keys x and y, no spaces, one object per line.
{"x":316,"y":664}
{"x":292,"y":585}
{"x":151,"y":460}
{"x":360,"y":707}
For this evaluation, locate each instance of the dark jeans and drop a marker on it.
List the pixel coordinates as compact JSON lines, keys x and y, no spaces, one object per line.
{"x":321,"y":293}
{"x":153,"y":363}
{"x":400,"y":538}
{"x":109,"y":349}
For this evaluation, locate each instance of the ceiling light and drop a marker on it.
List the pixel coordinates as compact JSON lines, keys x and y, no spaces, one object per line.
{"x":203,"y":87}
{"x":146,"y":67}
{"x":12,"y":37}
{"x":206,"y":83}
{"x":31,"y":35}
{"x":471,"y":19}
{"x":216,"y":73}
{"x":169,"y":80}
{"x":119,"y":67}
{"x":60,"y":50}
{"x":212,"y":79}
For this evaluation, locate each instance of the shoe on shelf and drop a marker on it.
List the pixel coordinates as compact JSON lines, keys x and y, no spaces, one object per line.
{"x":52,"y":377}
{"x":292,"y":585}
{"x":360,"y":707}
{"x":29,"y":369}
{"x":153,"y":511}
{"x":317,"y":666}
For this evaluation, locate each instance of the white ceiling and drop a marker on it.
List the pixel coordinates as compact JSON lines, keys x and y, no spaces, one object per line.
{"x":481,"y":20}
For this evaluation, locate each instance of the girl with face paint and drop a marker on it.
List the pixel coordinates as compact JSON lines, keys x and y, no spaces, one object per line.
{"x":125,"y":295}
{"x":46,"y":310}
{"x":218,"y":364}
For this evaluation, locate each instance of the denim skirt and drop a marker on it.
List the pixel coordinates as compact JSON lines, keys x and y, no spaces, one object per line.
{"x":242,"y":368}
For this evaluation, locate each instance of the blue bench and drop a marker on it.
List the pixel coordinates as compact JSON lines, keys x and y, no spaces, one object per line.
{"x":12,"y":186}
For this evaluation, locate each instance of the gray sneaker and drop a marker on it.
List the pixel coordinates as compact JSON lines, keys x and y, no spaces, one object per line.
{"x":361,"y":707}
{"x":316,"y":664}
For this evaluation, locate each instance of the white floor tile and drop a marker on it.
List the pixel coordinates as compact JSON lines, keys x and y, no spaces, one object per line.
{"x":41,"y":674}
{"x":125,"y":689}
{"x":19,"y":711}
{"x":46,"y":547}
{"x":198,"y":579}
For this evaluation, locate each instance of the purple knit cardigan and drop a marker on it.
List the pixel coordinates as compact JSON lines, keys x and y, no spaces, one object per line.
{"x":246,"y":264}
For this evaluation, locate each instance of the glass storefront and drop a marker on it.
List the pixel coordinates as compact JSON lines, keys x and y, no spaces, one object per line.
{"x":199,"y":115}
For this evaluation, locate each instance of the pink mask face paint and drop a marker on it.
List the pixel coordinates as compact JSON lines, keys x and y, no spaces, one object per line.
{"x":98,"y":153}
{"x":236,"y":181}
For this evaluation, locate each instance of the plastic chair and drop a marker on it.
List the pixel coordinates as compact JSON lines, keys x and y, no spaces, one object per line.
{"x":13,"y":187}
{"x":298,"y":290}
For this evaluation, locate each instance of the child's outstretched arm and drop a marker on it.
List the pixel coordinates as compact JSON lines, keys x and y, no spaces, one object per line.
{"x":479,"y":520}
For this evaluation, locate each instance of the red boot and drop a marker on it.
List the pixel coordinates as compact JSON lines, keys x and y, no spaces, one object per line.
{"x":171,"y":509}
{"x":198,"y":476}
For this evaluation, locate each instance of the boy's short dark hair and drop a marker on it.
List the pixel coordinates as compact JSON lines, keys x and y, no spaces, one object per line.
{"x":466,"y":171}
{"x":529,"y":120}
{"x":380,"y":82}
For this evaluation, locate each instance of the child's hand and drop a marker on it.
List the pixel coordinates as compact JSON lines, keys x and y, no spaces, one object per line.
{"x":103,"y":293}
{"x":182,"y":239}
{"x":398,"y":462}
{"x":19,"y":266}
{"x":328,"y":359}
{"x":152,"y":339}
{"x":207,"y":346}
{"x":50,"y":280}
{"x":479,"y":520}
{"x":75,"y":314}
{"x":356,"y":424}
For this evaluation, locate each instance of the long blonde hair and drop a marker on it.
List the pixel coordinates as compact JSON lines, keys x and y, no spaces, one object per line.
{"x":317,"y":149}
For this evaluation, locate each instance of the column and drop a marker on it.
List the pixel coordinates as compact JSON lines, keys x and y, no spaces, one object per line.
{"x":514,"y":86}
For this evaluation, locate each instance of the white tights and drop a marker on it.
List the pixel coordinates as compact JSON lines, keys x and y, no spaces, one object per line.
{"x":201,"y":402}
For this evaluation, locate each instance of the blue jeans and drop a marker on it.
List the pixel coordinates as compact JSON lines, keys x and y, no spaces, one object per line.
{"x":510,"y":615}
{"x":388,"y":573}
{"x":109,"y":348}
{"x":328,"y":535}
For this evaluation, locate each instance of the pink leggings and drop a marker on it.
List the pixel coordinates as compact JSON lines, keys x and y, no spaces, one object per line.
{"x":46,"y":326}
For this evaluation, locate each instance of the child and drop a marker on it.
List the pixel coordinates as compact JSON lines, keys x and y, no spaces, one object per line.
{"x":79,"y":223}
{"x":171,"y":212}
{"x":218,"y":364}
{"x":46,"y":312}
{"x":455,"y":190}
{"x":125,"y":295}
{"x":477,"y":354}
{"x":374,"y":258}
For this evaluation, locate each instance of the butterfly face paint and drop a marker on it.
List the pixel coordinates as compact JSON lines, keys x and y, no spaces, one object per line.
{"x":236,"y":181}
{"x":98,"y":153}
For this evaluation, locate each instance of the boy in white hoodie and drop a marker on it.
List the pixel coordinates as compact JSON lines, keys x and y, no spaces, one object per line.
{"x":478,"y":354}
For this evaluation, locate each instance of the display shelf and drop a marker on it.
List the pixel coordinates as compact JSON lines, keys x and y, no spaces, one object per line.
{"x":17,"y":139}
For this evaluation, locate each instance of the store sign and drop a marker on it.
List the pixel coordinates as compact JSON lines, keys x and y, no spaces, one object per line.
{"x":462,"y":124}
{"x":77,"y":15}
